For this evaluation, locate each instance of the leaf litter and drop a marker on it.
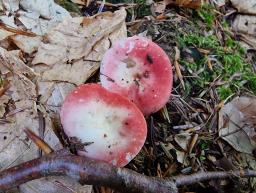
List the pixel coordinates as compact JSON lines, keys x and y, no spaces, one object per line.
{"x":33,"y":88}
{"x":186,"y":139}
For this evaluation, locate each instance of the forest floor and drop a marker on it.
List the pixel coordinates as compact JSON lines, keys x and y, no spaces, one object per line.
{"x":208,"y":123}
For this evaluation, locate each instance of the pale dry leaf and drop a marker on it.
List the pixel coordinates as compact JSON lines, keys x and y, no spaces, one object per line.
{"x":248,"y":42}
{"x":82,"y":2}
{"x":53,"y":94}
{"x":245,"y":6}
{"x":27,"y":44}
{"x":183,"y":140}
{"x":159,"y":7}
{"x":47,"y":9}
{"x":1,"y":6}
{"x":11,"y":5}
{"x":9,"y":61}
{"x":76,"y":46}
{"x":22,"y":112}
{"x":181,"y":156}
{"x":39,"y":16}
{"x":245,"y":24}
{"x":3,"y":102}
{"x":7,"y":20}
{"x":53,"y":185}
{"x":219,"y":3}
{"x":237,"y":123}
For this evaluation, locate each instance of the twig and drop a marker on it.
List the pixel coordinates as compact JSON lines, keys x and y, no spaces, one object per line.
{"x":84,"y":170}
{"x":202,"y":176}
{"x":39,"y":142}
{"x":177,"y":67}
{"x":88,"y":171}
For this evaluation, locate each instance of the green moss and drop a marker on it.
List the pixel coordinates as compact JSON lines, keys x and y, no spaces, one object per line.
{"x":207,"y":14}
{"x":224,"y":92}
{"x":229,"y":67}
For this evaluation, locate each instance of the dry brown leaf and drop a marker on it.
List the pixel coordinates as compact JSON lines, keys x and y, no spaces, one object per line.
{"x":248,"y":42}
{"x":183,"y":140}
{"x":193,"y":4}
{"x":53,"y":94}
{"x":245,"y":24}
{"x":237,"y":123}
{"x":11,"y":5}
{"x":219,"y":3}
{"x":35,"y":18}
{"x":19,"y":101}
{"x":56,"y":184}
{"x":27,"y":44}
{"x":45,"y":8}
{"x":76,"y":46}
{"x":245,"y":6}
{"x":82,"y":2}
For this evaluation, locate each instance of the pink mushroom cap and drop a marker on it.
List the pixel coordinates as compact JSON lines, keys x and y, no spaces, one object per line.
{"x":139,"y":69}
{"x":113,"y":125}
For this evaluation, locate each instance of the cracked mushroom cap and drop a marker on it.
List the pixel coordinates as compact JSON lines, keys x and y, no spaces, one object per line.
{"x":114,"y":127}
{"x":139,"y":69}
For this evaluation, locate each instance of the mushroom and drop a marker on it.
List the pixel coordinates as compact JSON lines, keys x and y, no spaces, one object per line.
{"x":113,"y":128}
{"x":139,"y":69}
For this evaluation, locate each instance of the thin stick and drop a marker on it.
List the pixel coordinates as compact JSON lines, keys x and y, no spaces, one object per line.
{"x":88,"y":171}
{"x":39,"y":142}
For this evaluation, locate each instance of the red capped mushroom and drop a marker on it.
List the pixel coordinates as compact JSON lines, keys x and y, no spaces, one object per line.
{"x":112,"y":125}
{"x":139,"y":69}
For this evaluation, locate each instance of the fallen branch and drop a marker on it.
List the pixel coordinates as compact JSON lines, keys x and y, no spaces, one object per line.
{"x":88,"y":171}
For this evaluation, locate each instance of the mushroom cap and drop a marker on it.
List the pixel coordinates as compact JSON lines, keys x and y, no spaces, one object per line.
{"x":113,"y":125}
{"x":139,"y":69}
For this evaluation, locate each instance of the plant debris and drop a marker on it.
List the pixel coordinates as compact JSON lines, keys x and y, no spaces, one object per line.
{"x":207,"y":125}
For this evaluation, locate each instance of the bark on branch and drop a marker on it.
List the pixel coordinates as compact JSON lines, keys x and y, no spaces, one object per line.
{"x":88,"y":171}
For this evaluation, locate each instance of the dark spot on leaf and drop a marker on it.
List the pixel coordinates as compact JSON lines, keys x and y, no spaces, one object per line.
{"x":5,"y":137}
{"x":105,"y":135}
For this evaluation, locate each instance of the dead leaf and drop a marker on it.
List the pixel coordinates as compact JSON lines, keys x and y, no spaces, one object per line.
{"x":36,"y":18}
{"x":237,"y":123}
{"x":27,"y":44}
{"x":183,"y":140}
{"x":8,"y":21}
{"x":193,"y":4}
{"x":245,"y":6}
{"x":55,"y":184}
{"x":245,"y":24}
{"x":4,"y":87}
{"x":82,"y":2}
{"x":159,"y":7}
{"x":53,"y":94}
{"x":75,"y":49}
{"x":11,"y":5}
{"x":219,"y":3}
{"x":248,"y":42}
{"x":19,"y":110}
{"x":47,"y":9}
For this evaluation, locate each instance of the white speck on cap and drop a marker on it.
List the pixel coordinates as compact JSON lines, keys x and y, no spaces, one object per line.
{"x":129,"y":157}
